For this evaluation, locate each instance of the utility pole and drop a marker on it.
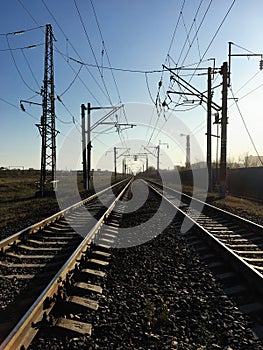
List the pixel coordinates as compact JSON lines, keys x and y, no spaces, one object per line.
{"x":123,"y":167}
{"x":158,"y":158}
{"x":88,"y":147}
{"x":87,"y":152}
{"x":230,"y":55}
{"x":223,"y":161}
{"x":187,"y":164}
{"x":115,"y":162}
{"x":115,"y":158}
{"x":47,"y":128}
{"x":84,"y":150}
{"x":187,"y":160}
{"x":209,"y":128}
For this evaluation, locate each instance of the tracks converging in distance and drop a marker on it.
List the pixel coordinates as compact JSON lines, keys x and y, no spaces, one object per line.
{"x":39,"y":259}
{"x":231,"y":245}
{"x":59,"y":267}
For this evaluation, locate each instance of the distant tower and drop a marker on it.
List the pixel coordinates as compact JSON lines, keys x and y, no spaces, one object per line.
{"x":187,"y":163}
{"x":47,"y":125}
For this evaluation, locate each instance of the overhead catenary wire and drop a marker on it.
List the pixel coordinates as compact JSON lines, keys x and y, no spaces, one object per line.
{"x":196,"y":33}
{"x":31,"y":71}
{"x":245,"y":125}
{"x":81,"y":80}
{"x":22,"y":48}
{"x":55,"y":20}
{"x":127,"y":70}
{"x":190,"y":44}
{"x":168,"y":53}
{"x":243,"y":48}
{"x":16,"y":107}
{"x":219,"y":27}
{"x":250,"y":92}
{"x":72,"y":82}
{"x":22,"y":31}
{"x":17,"y":68}
{"x":104,"y":50}
{"x":211,"y":41}
{"x":189,"y":32}
{"x":93,"y":53}
{"x":28,"y":64}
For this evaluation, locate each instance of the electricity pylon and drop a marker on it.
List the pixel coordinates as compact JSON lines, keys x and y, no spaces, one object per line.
{"x":47,"y":127}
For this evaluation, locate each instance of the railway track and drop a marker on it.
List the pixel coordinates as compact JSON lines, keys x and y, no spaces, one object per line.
{"x":35,"y":263}
{"x":231,"y":246}
{"x":67,"y":306}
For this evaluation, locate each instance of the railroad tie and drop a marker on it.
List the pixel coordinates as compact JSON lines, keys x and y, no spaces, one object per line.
{"x":74,"y":326}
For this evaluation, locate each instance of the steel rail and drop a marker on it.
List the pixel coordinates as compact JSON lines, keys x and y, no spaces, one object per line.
{"x":209,"y":205}
{"x":23,"y":333}
{"x":252,"y":276}
{"x":4,"y":244}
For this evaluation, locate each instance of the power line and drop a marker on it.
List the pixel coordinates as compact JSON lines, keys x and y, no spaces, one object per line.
{"x":76,"y":74}
{"x":245,"y":125}
{"x":175,"y":30}
{"x":127,"y":70}
{"x":213,"y":38}
{"x":250,"y":92}
{"x":18,"y":70}
{"x":73,"y":81}
{"x":168,"y":52}
{"x":32,"y":17}
{"x":15,"y":106}
{"x":22,"y":48}
{"x":68,"y":41}
{"x":221,"y":24}
{"x":199,"y":27}
{"x":35,"y":118}
{"x":148,"y":88}
{"x":106,"y":52}
{"x":22,"y":31}
{"x":243,"y":48}
{"x":24,"y":7}
{"x":188,"y":33}
{"x":248,"y":81}
{"x":31,"y":71}
{"x":93,"y":53}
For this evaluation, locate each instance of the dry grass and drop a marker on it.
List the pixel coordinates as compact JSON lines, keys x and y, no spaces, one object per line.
{"x":18,"y":200}
{"x":231,"y":203}
{"x":242,"y":205}
{"x":17,"y":197}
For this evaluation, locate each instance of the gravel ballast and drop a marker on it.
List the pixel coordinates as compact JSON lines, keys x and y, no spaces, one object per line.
{"x":159,"y":295}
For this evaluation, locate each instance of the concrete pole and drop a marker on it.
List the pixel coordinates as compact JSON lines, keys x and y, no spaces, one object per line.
{"x":88,"y":147}
{"x":84,"y":151}
{"x":188,"y":163}
{"x":209,"y":128}
{"x":223,"y":157}
{"x":115,"y":162}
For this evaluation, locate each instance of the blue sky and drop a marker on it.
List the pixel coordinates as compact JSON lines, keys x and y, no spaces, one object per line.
{"x":135,"y":35}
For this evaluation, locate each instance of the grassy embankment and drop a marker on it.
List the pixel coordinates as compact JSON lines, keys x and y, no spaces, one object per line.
{"x":17,"y":198}
{"x":237,"y":205}
{"x":18,"y":201}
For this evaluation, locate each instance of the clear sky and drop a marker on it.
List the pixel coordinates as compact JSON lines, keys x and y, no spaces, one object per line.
{"x":136,"y":36}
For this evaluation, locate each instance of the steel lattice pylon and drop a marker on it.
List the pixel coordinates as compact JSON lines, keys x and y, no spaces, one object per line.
{"x":47,"y":127}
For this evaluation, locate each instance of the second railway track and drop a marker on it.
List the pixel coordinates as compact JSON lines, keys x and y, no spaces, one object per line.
{"x":65,"y":309}
{"x":231,"y":246}
{"x":33,"y":257}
